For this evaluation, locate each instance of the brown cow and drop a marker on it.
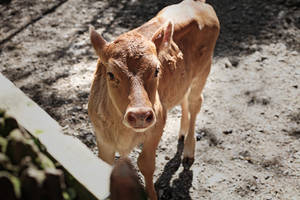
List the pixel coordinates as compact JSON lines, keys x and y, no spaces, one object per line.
{"x":144,"y":73}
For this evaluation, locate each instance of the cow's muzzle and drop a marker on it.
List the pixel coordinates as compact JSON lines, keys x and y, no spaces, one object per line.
{"x":139,"y":119}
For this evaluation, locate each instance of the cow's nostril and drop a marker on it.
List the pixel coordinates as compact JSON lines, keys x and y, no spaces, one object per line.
{"x":149,"y":117}
{"x":131,"y":117}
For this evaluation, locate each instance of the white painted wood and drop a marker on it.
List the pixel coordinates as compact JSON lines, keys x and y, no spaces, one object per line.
{"x":75,"y":157}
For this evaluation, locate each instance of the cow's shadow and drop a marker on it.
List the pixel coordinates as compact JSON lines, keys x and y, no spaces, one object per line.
{"x":178,"y":188}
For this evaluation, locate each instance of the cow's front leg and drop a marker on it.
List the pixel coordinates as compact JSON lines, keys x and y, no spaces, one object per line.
{"x":146,"y":160}
{"x":106,"y":152}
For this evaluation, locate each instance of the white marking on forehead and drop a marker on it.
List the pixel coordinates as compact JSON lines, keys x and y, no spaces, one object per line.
{"x":158,"y":66}
{"x":200,"y":27}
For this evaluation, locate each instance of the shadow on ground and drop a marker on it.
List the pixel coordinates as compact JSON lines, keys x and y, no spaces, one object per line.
{"x":243,"y":23}
{"x":247,"y":22}
{"x":129,"y":14}
{"x":179,"y":188}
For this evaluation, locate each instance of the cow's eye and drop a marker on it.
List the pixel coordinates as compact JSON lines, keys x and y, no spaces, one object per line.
{"x":111,"y":76}
{"x":156,"y":72}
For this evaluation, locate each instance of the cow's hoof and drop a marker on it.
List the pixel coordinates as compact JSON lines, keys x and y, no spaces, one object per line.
{"x":187,"y":162}
{"x":181,"y":138}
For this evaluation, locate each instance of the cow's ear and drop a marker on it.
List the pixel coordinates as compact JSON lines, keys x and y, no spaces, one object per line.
{"x":168,"y":33}
{"x":97,"y":41}
{"x":163,"y":37}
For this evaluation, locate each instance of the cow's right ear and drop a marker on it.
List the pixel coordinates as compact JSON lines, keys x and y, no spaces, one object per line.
{"x":97,"y":41}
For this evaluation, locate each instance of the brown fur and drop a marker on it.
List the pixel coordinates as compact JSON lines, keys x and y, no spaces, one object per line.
{"x":128,"y":104}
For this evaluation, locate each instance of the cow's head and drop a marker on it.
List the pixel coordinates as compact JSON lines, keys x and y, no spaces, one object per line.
{"x":132,"y":67}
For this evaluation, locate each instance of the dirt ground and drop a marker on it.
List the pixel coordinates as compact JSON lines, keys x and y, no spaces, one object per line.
{"x":248,"y":130}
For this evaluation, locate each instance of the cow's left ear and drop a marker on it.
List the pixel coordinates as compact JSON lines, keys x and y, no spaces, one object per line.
{"x":163,"y":37}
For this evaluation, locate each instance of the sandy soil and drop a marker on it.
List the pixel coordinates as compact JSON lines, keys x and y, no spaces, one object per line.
{"x":248,"y":131}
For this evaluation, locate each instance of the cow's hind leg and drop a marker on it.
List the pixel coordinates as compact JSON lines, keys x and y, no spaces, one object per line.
{"x":189,"y":144}
{"x":195,"y":100}
{"x":184,"y":125}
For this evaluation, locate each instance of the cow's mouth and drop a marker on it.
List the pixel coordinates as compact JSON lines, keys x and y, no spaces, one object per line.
{"x":140,"y":130}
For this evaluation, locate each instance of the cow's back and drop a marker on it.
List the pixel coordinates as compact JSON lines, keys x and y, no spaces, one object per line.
{"x":195,"y":25}
{"x":196,"y":28}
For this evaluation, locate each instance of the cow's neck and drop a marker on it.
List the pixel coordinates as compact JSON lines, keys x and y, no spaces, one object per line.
{"x":149,"y":28}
